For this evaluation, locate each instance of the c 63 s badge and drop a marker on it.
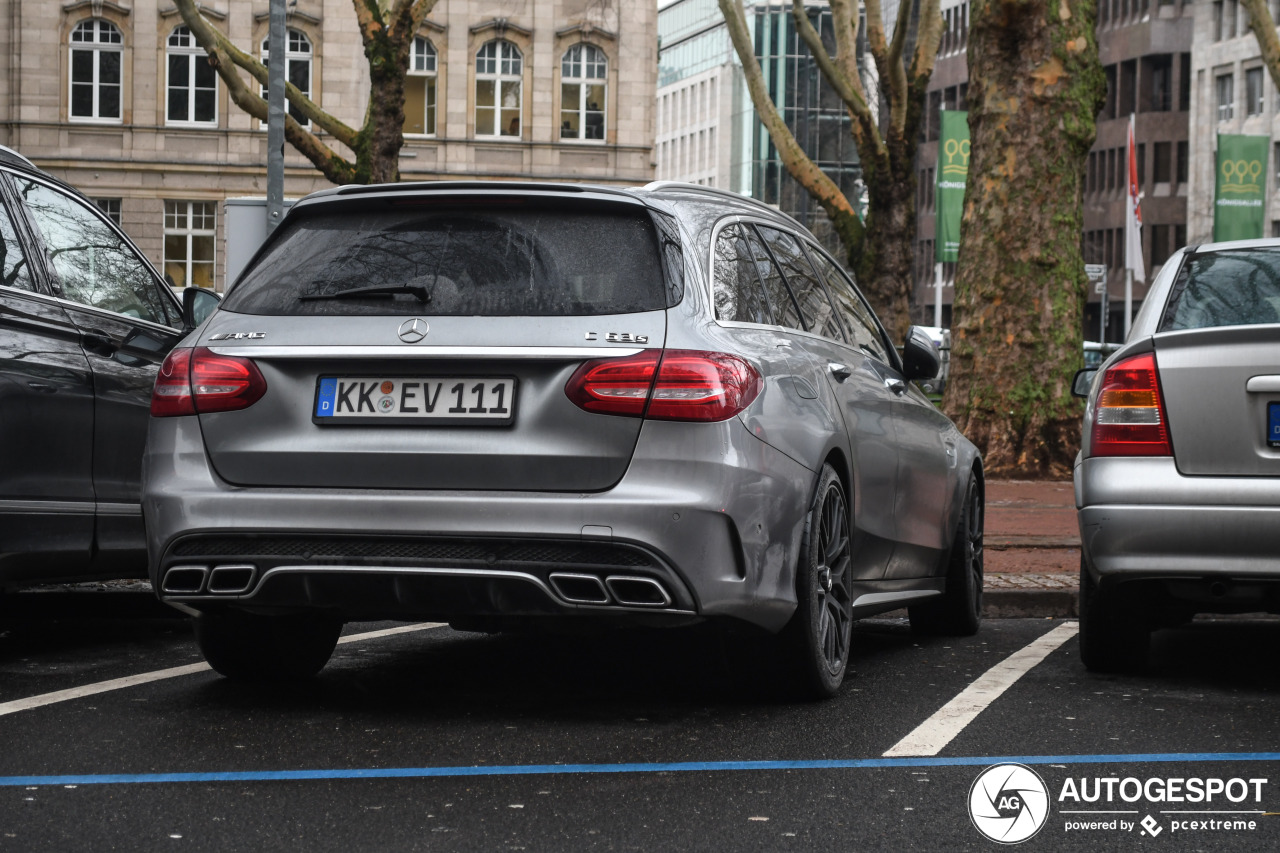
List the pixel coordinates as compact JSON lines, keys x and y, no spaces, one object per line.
{"x":619,"y":338}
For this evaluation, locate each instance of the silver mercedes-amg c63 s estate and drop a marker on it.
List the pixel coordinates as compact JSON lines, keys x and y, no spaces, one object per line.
{"x":508,"y":405}
{"x":1178,"y":478}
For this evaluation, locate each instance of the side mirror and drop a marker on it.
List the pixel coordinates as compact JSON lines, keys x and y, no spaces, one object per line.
{"x":1081,"y":384}
{"x":919,"y":356}
{"x":197,"y":304}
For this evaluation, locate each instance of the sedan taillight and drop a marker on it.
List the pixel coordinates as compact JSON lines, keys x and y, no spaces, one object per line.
{"x":1129,"y":418}
{"x":675,"y":385}
{"x":200,"y":381}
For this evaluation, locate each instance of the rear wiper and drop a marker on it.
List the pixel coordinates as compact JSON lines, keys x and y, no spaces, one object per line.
{"x":382,"y":290}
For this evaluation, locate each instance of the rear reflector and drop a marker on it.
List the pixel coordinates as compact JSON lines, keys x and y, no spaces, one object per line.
{"x":202,"y":381}
{"x":675,"y":385}
{"x":1129,"y":417}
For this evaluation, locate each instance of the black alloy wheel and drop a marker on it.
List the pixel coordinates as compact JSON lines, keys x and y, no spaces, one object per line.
{"x":820,"y":631}
{"x":958,"y":612}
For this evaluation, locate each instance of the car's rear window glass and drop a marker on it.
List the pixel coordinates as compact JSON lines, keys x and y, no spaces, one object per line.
{"x":466,"y":260}
{"x":1240,"y":287}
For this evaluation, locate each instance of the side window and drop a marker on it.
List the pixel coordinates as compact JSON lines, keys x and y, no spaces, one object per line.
{"x":95,"y":266}
{"x":14,"y":269}
{"x":815,"y":308}
{"x":858,"y":317}
{"x":739,"y":296}
{"x":785,"y":312}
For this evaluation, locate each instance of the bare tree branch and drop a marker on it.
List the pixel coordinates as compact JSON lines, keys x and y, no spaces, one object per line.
{"x":823,"y":190}
{"x":850,"y":91}
{"x":1264,"y":29}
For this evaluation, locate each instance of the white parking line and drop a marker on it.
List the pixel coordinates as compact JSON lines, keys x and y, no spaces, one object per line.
{"x":160,"y":674}
{"x":939,"y":730}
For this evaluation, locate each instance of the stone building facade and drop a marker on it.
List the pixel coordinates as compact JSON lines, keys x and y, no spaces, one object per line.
{"x":114,"y":97}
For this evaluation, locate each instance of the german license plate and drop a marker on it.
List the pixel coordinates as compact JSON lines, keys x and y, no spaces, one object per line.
{"x":454,"y":400}
{"x":1273,"y":424}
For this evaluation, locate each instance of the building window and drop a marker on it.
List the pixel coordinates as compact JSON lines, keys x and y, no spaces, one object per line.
{"x":188,"y":242}
{"x":96,"y":60}
{"x":420,"y":89}
{"x":111,"y":207}
{"x":1184,"y":165}
{"x":1253,"y":97}
{"x":297,"y":69}
{"x":1162,"y":167}
{"x":192,"y":84}
{"x":1225,"y":86}
{"x":582,"y":90}
{"x":498,"y":96}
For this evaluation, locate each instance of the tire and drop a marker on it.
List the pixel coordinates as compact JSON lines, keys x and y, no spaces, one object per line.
{"x":253,"y":648}
{"x":816,"y":640}
{"x":1113,"y":638}
{"x":958,"y":612}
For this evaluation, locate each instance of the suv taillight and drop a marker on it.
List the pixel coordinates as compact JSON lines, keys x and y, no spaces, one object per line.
{"x":675,"y":385}
{"x":200,"y":380}
{"x":1129,"y":417}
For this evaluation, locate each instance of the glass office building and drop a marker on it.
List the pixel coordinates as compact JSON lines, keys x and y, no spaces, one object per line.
{"x":707,"y":127}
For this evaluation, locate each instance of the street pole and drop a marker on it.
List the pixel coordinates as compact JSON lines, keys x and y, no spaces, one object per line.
{"x":275,"y":114}
{"x":1128,"y":300}
{"x":937,"y":297}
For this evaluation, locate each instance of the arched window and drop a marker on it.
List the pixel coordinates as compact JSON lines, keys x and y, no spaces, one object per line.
{"x":498,"y":76}
{"x":582,"y":92}
{"x":192,"y":86}
{"x":420,"y":89}
{"x":297,"y":69}
{"x":97,"y":56}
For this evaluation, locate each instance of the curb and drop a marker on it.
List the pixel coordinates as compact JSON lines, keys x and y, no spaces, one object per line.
{"x":1030,"y":603}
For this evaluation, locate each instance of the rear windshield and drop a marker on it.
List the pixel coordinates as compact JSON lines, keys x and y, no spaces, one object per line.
{"x":460,"y":261}
{"x":1240,"y":287}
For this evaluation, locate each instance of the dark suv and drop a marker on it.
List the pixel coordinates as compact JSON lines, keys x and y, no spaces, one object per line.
{"x":85,"y":321}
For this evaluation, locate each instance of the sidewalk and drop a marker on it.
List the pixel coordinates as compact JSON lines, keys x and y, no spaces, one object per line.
{"x":1032,"y":549}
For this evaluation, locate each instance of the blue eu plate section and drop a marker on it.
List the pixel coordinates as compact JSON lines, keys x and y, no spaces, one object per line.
{"x":329,"y":390}
{"x":1273,"y":424}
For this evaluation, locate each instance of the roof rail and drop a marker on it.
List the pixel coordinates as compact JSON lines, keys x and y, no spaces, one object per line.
{"x":702,"y":189}
{"x":469,"y":186}
{"x":7,"y":153}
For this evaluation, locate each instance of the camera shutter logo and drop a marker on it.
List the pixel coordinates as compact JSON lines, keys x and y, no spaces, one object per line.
{"x":1008,"y":803}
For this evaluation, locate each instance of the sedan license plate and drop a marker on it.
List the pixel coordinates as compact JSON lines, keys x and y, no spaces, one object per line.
{"x":1273,"y":424}
{"x":406,"y":400}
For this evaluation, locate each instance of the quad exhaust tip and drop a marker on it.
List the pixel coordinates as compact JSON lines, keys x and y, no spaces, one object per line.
{"x":231,"y":580}
{"x":579,"y":589}
{"x":184,"y":580}
{"x":637,"y":592}
{"x":221,"y":580}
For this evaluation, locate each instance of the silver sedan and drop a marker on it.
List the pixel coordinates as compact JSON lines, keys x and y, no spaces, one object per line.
{"x":1178,"y":479}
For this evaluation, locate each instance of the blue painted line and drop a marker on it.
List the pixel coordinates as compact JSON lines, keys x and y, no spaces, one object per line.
{"x":672,"y":767}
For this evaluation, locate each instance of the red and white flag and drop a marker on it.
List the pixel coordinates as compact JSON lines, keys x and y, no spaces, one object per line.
{"x":1133,"y":217}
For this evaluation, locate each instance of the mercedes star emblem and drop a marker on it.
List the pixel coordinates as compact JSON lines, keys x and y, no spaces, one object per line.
{"x":412,"y":331}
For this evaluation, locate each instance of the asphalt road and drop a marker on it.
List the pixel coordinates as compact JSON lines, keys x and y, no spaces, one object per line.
{"x":675,"y":740}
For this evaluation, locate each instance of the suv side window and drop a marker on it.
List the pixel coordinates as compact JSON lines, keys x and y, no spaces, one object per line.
{"x":739,"y":295}
{"x":14,"y":269}
{"x":861,"y":322}
{"x":785,"y":312}
{"x":815,"y":308}
{"x":94,"y":265}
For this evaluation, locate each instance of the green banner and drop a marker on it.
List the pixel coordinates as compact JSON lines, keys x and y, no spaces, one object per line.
{"x":953,"y":171}
{"x":1239,"y":210}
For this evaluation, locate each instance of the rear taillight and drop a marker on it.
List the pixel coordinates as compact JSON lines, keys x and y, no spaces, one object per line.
{"x":675,"y":385}
{"x":202,"y":381}
{"x":1129,"y":417}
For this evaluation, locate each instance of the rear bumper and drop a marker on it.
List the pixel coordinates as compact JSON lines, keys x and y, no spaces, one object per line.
{"x":717,"y":531}
{"x":1140,"y":518}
